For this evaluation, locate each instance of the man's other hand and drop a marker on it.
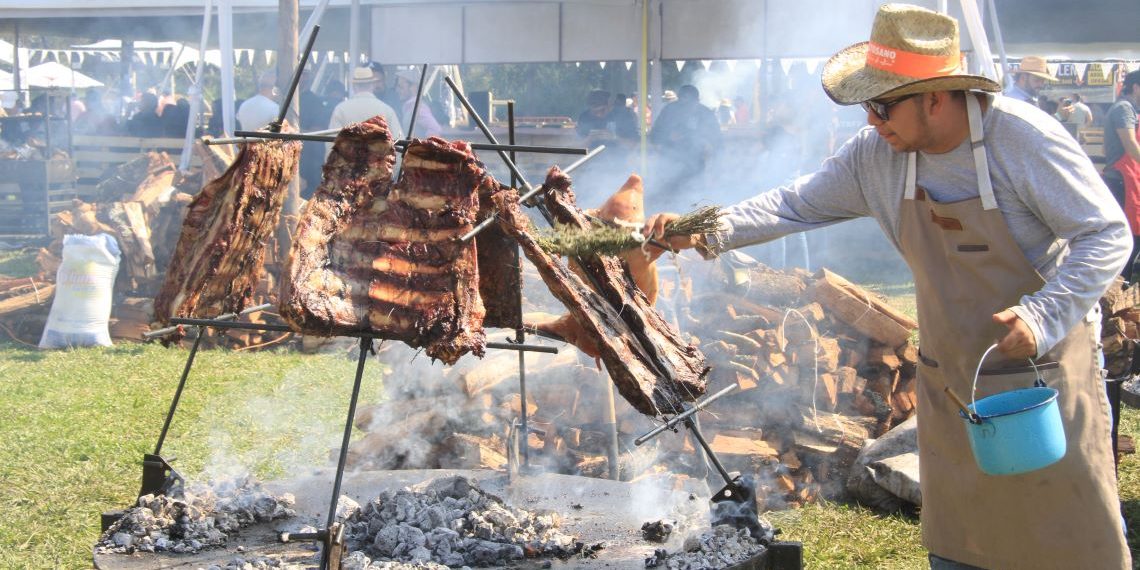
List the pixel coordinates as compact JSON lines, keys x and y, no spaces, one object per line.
{"x":1019,"y":342}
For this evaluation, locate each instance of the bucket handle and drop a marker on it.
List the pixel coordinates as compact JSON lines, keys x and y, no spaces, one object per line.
{"x":978,"y":372}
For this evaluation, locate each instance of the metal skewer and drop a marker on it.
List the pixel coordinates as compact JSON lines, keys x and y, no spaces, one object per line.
{"x":226,"y":317}
{"x":275,"y":126}
{"x":323,"y":136}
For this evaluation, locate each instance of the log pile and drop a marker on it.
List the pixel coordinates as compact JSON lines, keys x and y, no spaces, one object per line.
{"x":142,"y":204}
{"x":820,"y":365}
{"x":1120,"y":328}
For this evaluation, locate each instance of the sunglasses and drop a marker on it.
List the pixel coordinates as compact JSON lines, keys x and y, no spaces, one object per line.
{"x":881,"y":108}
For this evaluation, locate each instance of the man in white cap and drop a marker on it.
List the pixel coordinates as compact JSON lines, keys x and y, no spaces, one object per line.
{"x":1030,"y":76}
{"x":1010,"y":234}
{"x":364,"y":105}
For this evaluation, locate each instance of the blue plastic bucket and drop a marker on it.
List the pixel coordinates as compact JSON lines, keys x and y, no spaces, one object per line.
{"x":1016,"y":431}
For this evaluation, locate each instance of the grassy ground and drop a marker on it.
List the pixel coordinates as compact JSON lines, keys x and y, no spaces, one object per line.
{"x":76,"y":423}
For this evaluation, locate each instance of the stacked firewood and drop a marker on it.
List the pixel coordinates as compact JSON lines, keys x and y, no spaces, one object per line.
{"x":142,"y":204}
{"x":1120,"y":327}
{"x":820,"y":365}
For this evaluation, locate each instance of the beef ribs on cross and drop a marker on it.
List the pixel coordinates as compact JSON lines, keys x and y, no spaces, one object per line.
{"x":382,"y":259}
{"x":221,"y":250}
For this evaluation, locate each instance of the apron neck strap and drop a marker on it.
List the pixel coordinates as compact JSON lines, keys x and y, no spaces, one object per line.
{"x":981,"y":165}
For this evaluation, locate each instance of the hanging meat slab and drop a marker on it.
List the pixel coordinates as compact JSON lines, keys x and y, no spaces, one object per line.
{"x":631,"y":368}
{"x":499,"y":278}
{"x":681,"y":364}
{"x":218,"y":260}
{"x":372,"y":258}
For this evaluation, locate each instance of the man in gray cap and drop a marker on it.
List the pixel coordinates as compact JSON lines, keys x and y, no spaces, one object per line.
{"x":261,"y":109}
{"x":1010,"y":234}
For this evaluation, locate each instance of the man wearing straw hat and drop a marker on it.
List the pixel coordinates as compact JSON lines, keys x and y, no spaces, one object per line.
{"x":1030,"y":76}
{"x":364,"y":105}
{"x":1012,"y":238}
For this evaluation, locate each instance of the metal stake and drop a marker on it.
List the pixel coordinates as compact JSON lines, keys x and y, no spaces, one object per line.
{"x":520,"y":334}
{"x":365,"y":348}
{"x":275,"y":126}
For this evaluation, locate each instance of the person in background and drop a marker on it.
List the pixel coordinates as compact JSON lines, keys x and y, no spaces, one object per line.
{"x":386,"y":93}
{"x":686,"y":135}
{"x":146,"y":122}
{"x":314,"y":112}
{"x":407,"y":81}
{"x":1080,"y":115}
{"x":1011,"y":235}
{"x":258,"y":111}
{"x":364,"y":105}
{"x":1028,"y":79}
{"x":335,"y":93}
{"x":725,"y":114}
{"x":1122,"y":160}
{"x":175,"y":118}
{"x":742,"y":110}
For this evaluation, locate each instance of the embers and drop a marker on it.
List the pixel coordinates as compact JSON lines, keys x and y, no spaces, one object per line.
{"x":453,"y":522}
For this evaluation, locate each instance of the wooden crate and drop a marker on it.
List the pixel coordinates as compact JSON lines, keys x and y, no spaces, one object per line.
{"x":94,"y":155}
{"x":32,"y":190}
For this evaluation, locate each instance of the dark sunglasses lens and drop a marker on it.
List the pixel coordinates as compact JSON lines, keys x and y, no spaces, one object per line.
{"x":879,"y":109}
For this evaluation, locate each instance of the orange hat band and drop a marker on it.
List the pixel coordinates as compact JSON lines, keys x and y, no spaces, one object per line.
{"x":910,"y":64}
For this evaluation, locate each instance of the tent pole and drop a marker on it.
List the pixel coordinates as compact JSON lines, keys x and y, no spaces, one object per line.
{"x":16,"y":58}
{"x":643,"y":85}
{"x":287,"y":54}
{"x":226,"y":44}
{"x":196,"y":92}
{"x":1002,"y":75}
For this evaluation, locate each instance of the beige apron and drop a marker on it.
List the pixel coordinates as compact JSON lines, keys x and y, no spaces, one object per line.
{"x":967,"y":267}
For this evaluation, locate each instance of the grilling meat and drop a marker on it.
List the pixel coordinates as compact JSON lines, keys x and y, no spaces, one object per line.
{"x":681,"y":365}
{"x":632,"y":369}
{"x":499,"y":277}
{"x":384,"y":260}
{"x":219,"y":256}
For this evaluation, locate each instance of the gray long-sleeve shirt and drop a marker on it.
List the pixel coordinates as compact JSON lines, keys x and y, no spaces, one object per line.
{"x":1058,"y":209}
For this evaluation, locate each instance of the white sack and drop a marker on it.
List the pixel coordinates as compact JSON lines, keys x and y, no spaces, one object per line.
{"x":83,"y":288}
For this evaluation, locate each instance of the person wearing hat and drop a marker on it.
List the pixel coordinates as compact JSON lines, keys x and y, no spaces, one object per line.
{"x":1030,"y":76}
{"x":407,"y":82}
{"x":1010,"y":235}
{"x":364,"y":105}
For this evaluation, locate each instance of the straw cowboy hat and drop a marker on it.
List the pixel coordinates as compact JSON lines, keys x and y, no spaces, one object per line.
{"x":912,"y":50}
{"x":363,"y":75}
{"x":1035,"y":66}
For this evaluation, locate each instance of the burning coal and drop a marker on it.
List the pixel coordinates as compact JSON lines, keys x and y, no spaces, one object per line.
{"x":203,"y":516}
{"x":452,"y":521}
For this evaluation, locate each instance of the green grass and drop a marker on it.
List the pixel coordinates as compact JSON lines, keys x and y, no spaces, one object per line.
{"x":76,"y":423}
{"x":19,"y":263}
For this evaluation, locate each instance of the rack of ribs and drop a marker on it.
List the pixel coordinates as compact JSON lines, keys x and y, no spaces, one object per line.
{"x":218,"y":260}
{"x":374,"y":258}
{"x":639,"y":375}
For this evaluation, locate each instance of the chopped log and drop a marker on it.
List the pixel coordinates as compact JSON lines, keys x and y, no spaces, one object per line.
{"x":727,"y":446}
{"x":849,"y":381}
{"x":512,"y":403}
{"x":768,"y":286}
{"x":860,"y":310}
{"x":133,"y":234}
{"x":1119,"y":297}
{"x":883,"y":356}
{"x":40,"y":296}
{"x":467,"y":451}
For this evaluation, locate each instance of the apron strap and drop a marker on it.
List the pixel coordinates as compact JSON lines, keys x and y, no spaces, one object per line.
{"x":911,"y":174}
{"x":981,"y":165}
{"x":977,"y":142}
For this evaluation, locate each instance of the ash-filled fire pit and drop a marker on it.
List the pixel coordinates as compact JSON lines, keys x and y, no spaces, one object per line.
{"x":573,"y":522}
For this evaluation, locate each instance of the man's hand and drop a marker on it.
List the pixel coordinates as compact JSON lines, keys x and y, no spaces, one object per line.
{"x":1019,"y":342}
{"x":655,"y":228}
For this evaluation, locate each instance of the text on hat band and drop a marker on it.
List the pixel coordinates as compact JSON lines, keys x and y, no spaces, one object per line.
{"x":910,"y":64}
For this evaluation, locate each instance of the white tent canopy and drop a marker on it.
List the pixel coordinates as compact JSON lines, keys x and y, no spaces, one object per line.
{"x":56,"y":75}
{"x":177,"y":52}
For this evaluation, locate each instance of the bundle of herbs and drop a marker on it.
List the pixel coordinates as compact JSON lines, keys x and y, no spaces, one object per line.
{"x":612,"y":238}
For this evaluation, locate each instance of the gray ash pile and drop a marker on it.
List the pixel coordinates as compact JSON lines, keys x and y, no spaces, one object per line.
{"x":452,"y":522}
{"x":721,"y":547}
{"x":201,"y":516}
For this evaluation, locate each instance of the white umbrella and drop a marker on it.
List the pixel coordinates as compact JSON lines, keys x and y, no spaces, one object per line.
{"x":54,"y":74}
{"x":5,"y":80}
